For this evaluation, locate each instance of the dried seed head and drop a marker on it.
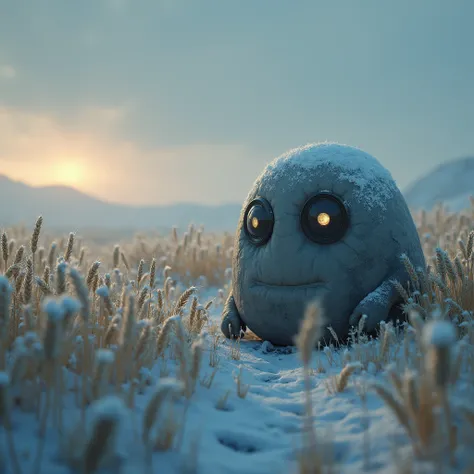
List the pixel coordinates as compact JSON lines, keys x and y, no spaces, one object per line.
{"x":43,"y":286}
{"x":61,"y":278}
{"x":5,"y":250}
{"x":142,"y":297}
{"x":108,"y":413}
{"x":47,"y":274}
{"x":51,"y":341}
{"x":91,"y":274}
{"x":143,"y":340}
{"x":129,"y":323}
{"x":19,"y":282}
{"x":70,"y":307}
{"x":183,"y":300}
{"x":163,"y":335}
{"x":28,"y":282}
{"x":96,"y":281}
{"x":19,"y":255}
{"x":165,"y":389}
{"x":69,"y":248}
{"x":11,"y":246}
{"x":104,"y":358}
{"x":104,"y":293}
{"x":52,"y":255}
{"x":36,"y":234}
{"x":160,"y":299}
{"x":5,"y":299}
{"x":439,"y":334}
{"x":140,"y":271}
{"x":409,"y":267}
{"x":401,"y":290}
{"x":166,"y":271}
{"x":82,"y":292}
{"x":125,"y":261}
{"x":81,"y":256}
{"x":310,"y":331}
{"x":439,"y":338}
{"x":116,"y":256}
{"x":470,"y":242}
{"x":152,"y":273}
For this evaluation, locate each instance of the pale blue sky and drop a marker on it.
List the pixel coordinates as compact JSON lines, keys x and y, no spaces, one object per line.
{"x":189,"y":99}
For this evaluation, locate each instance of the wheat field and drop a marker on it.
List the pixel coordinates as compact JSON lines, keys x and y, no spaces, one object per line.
{"x":105,"y":348}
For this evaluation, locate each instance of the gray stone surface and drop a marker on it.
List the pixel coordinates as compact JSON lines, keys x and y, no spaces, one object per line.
{"x":274,"y":282}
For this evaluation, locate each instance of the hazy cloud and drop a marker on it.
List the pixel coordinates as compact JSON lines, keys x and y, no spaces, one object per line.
{"x":232,"y":84}
{"x":7,"y":71}
{"x":35,"y":147}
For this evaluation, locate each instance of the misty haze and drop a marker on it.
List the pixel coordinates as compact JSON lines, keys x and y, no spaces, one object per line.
{"x":236,"y":237}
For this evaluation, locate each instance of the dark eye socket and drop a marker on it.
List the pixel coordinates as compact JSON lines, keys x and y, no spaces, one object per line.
{"x":258,"y":221}
{"x":324,"y":218}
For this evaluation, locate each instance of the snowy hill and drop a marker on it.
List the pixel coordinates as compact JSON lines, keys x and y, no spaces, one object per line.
{"x":451,"y":183}
{"x":66,"y":208}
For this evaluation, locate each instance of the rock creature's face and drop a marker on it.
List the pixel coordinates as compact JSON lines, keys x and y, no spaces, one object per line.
{"x":316,"y":224}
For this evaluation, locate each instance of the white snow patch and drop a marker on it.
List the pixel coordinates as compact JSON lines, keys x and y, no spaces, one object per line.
{"x":439,"y":334}
{"x":105,"y":356}
{"x":102,"y":291}
{"x":53,"y":309}
{"x":110,"y":407}
{"x":70,"y":305}
{"x":374,"y":185}
{"x":255,"y":435}
{"x":449,"y":184}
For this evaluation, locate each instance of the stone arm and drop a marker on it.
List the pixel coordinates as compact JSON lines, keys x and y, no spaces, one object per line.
{"x":382,"y":304}
{"x":232,"y":325}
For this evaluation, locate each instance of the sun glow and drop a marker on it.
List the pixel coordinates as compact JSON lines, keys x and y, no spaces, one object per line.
{"x":71,"y":173}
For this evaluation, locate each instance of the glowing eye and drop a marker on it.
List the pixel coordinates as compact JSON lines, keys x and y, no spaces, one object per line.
{"x":258,"y":221}
{"x":324,"y":219}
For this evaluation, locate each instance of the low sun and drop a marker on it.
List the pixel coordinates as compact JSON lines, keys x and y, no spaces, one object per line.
{"x":71,"y":173}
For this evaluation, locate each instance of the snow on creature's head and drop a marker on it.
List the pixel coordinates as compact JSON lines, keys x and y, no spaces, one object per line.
{"x":373,"y":185}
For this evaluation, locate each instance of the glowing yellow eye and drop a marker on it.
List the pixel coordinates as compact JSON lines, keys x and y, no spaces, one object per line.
{"x":254,"y":222}
{"x":323,"y":219}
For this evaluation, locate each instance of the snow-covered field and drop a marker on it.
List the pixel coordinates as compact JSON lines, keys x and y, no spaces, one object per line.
{"x":257,"y":433}
{"x":249,"y":408}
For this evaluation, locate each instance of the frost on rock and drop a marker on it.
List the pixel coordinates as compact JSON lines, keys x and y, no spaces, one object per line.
{"x":373,"y":184}
{"x":380,"y":295}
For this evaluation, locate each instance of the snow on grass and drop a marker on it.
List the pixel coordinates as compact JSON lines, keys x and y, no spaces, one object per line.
{"x":258,"y":433}
{"x":193,"y":402}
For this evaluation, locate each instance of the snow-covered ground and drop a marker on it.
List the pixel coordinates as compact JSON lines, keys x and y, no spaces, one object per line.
{"x":259,"y":433}
{"x":450,"y":183}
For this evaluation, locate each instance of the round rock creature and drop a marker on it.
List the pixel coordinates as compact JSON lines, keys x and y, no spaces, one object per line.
{"x":321,"y":221}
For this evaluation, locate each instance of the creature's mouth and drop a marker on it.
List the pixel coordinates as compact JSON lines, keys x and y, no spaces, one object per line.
{"x":312,"y":284}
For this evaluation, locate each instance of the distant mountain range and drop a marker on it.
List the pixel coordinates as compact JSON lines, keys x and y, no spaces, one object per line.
{"x":67,"y":209}
{"x":451,"y":183}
